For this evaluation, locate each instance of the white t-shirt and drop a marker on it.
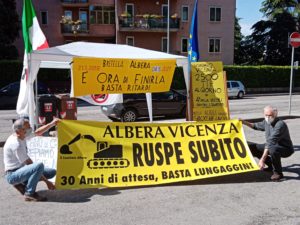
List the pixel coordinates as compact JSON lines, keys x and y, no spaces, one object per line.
{"x":15,"y":153}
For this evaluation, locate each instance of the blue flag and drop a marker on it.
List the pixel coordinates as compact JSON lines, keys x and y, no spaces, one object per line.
{"x":193,"y":51}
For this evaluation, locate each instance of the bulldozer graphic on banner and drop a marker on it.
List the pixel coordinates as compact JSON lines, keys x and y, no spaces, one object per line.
{"x":106,"y":156}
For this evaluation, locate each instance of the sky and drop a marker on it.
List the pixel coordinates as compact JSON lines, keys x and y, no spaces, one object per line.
{"x":248,"y":11}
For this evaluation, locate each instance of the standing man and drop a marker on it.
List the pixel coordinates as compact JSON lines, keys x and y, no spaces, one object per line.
{"x":278,"y":142}
{"x":20,"y":170}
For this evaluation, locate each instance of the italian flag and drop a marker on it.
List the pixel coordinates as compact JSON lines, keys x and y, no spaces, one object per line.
{"x":34,"y":39}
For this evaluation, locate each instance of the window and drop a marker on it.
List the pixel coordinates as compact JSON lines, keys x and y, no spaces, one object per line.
{"x":164,"y":10}
{"x":83,"y":18}
{"x":184,"y":45}
{"x":164,"y":44}
{"x":214,"y":14}
{"x":184,"y":13}
{"x":44,"y":17}
{"x":68,"y":15}
{"x":214,"y":45}
{"x":130,"y":40}
{"x":129,"y":8}
{"x":102,"y":15}
{"x":235,"y":84}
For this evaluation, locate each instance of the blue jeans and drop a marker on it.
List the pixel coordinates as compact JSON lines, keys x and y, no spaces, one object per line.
{"x":29,"y":175}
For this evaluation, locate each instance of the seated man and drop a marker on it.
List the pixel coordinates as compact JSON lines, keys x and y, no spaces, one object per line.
{"x":20,"y":170}
{"x":278,"y":142}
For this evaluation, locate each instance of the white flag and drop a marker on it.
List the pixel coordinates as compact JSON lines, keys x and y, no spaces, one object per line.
{"x":34,"y":39}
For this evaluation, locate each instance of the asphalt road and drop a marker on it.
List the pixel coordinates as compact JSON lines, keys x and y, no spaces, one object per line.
{"x":246,"y":199}
{"x":247,"y":108}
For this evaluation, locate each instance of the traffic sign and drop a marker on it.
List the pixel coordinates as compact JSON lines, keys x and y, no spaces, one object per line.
{"x":295,"y":39}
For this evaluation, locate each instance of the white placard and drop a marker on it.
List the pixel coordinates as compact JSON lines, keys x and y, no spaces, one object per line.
{"x":43,"y":149}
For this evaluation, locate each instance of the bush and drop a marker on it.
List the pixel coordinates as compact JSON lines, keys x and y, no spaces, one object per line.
{"x":262,"y":76}
{"x":250,"y":76}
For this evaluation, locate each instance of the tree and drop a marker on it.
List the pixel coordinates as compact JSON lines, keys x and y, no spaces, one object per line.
{"x":270,"y":37}
{"x":244,"y":52}
{"x":250,"y":55}
{"x":278,"y":51}
{"x":237,"y":41}
{"x":271,"y":8}
{"x":9,"y":29}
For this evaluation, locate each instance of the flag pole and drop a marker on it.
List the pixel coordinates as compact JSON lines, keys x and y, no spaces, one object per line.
{"x":189,"y":93}
{"x":291,"y":81}
{"x":36,"y":103}
{"x":193,"y":55}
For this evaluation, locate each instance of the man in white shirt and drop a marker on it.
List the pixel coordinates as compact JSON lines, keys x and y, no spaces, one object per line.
{"x":20,"y":170}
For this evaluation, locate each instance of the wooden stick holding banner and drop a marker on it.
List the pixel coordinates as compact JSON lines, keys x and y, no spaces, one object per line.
{"x":226,"y":93}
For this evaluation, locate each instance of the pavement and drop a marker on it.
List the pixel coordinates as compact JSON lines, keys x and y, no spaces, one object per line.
{"x":246,"y":199}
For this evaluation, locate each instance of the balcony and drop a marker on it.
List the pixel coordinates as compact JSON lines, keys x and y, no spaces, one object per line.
{"x":71,"y":30}
{"x":148,"y":24}
{"x":75,"y":3}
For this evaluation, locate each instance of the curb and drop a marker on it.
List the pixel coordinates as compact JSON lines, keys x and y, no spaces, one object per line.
{"x":270,"y":94}
{"x":254,"y":120}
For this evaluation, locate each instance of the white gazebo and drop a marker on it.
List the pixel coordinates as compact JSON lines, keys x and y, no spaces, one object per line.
{"x":61,"y":57}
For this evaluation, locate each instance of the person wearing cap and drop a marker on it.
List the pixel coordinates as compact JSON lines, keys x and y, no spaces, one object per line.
{"x":278,"y":142}
{"x":20,"y":170}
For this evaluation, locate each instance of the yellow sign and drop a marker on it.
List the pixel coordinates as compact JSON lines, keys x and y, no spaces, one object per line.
{"x":97,"y":154}
{"x":209,"y":93}
{"x":108,"y":76}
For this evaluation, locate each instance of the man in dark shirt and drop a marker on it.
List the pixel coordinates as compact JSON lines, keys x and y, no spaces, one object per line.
{"x":278,"y":142}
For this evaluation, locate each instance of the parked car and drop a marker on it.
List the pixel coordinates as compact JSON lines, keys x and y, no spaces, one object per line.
{"x":134,"y":106}
{"x":235,"y":89}
{"x":9,"y":94}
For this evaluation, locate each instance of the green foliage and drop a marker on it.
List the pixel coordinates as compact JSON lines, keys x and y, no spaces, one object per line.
{"x":262,"y":76}
{"x":238,"y":54}
{"x":271,"y":8}
{"x":268,"y":43}
{"x":251,"y":76}
{"x":272,"y":36}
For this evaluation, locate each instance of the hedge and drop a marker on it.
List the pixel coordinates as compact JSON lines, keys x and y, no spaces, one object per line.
{"x":263,"y":76}
{"x":251,"y":76}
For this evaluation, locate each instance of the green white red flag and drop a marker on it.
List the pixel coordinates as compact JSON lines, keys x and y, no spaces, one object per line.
{"x":34,"y":39}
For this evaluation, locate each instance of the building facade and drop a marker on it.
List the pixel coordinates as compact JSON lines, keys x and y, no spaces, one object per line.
{"x":139,"y":23}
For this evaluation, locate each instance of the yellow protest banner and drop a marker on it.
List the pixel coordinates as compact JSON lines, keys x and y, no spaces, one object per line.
{"x":97,"y":154}
{"x":209,"y":94}
{"x":108,"y":76}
